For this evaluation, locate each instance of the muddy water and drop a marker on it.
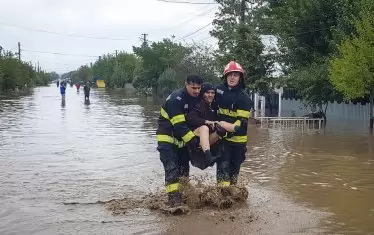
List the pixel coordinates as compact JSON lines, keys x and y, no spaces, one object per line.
{"x":61,"y":161}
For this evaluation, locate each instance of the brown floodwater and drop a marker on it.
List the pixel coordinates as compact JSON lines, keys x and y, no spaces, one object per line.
{"x":63,"y":164}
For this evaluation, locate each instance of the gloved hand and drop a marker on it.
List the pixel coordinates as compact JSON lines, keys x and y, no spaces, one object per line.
{"x":243,"y":123}
{"x":220,"y":131}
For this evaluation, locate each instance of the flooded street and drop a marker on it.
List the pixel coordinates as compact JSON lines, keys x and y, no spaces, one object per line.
{"x":58,"y":159}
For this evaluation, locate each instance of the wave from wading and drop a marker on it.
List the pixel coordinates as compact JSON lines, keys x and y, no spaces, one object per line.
{"x":195,"y":196}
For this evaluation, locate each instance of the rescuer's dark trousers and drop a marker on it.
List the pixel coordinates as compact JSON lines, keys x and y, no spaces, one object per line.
{"x":228,"y":165}
{"x":176,"y":165}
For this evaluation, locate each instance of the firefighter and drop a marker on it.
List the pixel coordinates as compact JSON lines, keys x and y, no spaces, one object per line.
{"x":175,"y":140}
{"x":234,"y":107}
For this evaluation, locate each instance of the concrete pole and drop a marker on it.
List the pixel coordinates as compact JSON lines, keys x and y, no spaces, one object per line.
{"x":263,"y":106}
{"x":280,"y":104}
{"x":255,"y":104}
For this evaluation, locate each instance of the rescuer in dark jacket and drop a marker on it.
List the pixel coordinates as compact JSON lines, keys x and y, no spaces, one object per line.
{"x":203,"y":120}
{"x":174,"y":137}
{"x":234,"y":107}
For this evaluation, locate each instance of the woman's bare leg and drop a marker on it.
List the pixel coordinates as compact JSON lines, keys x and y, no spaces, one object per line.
{"x":228,"y":126}
{"x":203,"y":133}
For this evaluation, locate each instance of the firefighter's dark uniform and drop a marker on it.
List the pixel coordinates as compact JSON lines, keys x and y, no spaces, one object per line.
{"x":233,"y":105}
{"x":173,"y":135}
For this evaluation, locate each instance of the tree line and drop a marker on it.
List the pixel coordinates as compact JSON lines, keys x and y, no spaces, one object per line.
{"x":19,"y":75}
{"x":323,"y":50}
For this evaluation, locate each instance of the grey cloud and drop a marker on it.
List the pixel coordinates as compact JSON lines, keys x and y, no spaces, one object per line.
{"x":97,"y":18}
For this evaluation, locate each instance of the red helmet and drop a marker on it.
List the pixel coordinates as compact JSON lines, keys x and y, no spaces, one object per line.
{"x":233,"y":67}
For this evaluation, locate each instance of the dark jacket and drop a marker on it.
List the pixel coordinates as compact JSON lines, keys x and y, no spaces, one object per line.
{"x":86,"y":90}
{"x":200,"y":112}
{"x":233,"y":105}
{"x":62,"y":90}
{"x":172,"y":126}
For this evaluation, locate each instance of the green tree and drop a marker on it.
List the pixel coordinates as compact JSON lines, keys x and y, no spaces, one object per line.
{"x":168,"y":81}
{"x":239,"y":39}
{"x":84,"y":73}
{"x":103,"y":68}
{"x":313,"y":86}
{"x":116,"y":71}
{"x":156,"y":58}
{"x":15,"y":74}
{"x":307,"y":32}
{"x":352,"y":72}
{"x":200,"y":61}
{"x":54,"y":75}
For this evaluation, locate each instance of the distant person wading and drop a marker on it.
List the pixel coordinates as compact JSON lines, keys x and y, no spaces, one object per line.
{"x":86,"y":89}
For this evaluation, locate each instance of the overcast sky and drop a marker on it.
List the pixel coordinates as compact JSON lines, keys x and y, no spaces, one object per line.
{"x":24,"y":20}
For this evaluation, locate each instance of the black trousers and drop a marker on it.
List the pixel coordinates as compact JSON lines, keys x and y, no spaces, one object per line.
{"x":199,"y":160}
{"x":176,"y":164}
{"x":228,"y":165}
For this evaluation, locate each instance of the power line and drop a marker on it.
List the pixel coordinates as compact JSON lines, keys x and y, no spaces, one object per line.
{"x":187,"y":2}
{"x":64,"y":34}
{"x":192,"y":18}
{"x":190,"y":34}
{"x":59,"y":53}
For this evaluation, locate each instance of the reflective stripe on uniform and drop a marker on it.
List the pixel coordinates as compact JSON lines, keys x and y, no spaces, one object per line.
{"x":227,"y":112}
{"x":242,"y":113}
{"x":187,"y":137}
{"x":237,"y":123}
{"x":169,"y":139}
{"x":238,"y":139}
{"x":172,"y":187}
{"x":224,"y":184}
{"x":164,"y":114}
{"x":165,"y":138}
{"x":177,"y":119}
{"x":239,"y":113}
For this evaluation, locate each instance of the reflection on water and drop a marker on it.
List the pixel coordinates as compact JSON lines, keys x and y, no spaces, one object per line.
{"x":333,"y":173}
{"x":63,"y":103}
{"x":54,"y":151}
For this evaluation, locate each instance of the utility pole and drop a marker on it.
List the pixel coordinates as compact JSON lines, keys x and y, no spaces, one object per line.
{"x":242,"y":12}
{"x":144,"y":38}
{"x":38,"y":67}
{"x":19,"y":51}
{"x":116,"y":60}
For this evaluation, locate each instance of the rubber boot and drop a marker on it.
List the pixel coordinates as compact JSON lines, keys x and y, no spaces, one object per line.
{"x":174,"y":199}
{"x":175,"y":204}
{"x":226,"y":199}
